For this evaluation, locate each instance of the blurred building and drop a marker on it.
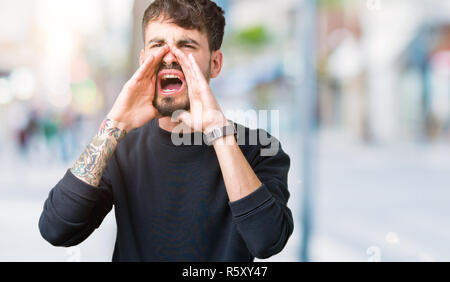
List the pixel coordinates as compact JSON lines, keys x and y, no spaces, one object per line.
{"x":60,"y":63}
{"x":377,"y":69}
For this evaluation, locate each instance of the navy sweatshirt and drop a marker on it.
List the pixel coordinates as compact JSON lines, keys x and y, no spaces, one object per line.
{"x":171,"y":203}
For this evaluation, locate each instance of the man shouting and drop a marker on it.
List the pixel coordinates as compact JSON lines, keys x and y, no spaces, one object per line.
{"x":213,"y":200}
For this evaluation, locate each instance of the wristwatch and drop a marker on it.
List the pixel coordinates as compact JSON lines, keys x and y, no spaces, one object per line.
{"x":219,"y":132}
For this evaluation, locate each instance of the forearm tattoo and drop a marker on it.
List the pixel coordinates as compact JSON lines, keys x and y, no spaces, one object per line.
{"x":91,"y":164}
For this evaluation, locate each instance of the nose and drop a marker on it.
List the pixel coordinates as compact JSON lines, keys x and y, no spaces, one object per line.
{"x":169,"y":58}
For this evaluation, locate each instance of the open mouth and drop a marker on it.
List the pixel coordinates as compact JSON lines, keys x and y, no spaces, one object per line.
{"x":170,"y":82}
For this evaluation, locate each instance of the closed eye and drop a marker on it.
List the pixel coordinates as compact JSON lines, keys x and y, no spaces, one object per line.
{"x":189,"y":46}
{"x":156,"y":45}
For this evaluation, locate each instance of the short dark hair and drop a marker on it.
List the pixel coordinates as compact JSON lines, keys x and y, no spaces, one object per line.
{"x":202,"y":15}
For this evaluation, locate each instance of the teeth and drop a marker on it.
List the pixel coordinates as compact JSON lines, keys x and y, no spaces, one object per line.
{"x":166,"y":76}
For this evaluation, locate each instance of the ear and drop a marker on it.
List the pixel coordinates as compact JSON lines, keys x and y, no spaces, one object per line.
{"x":141,"y":57}
{"x":216,"y":63}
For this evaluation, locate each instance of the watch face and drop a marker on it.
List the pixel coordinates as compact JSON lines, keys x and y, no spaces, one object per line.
{"x":217,"y":132}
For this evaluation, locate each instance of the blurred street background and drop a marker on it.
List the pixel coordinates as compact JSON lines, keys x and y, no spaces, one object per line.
{"x":363,"y":93}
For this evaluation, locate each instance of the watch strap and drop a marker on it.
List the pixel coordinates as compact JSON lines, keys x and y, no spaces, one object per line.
{"x":219,"y":132}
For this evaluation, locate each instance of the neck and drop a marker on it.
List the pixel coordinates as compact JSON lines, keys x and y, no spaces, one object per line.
{"x":167,"y":124}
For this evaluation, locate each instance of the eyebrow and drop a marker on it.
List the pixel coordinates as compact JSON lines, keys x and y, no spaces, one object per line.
{"x":182,"y":41}
{"x":187,"y":40}
{"x":156,"y":40}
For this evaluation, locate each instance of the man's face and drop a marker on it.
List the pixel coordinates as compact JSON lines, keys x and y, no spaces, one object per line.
{"x":171,"y":91}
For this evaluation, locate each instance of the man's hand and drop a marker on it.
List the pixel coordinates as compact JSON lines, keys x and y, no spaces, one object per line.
{"x":205,"y":113}
{"x":133,"y":107}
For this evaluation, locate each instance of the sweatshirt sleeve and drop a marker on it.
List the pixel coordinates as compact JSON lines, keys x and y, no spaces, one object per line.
{"x":262,"y":217}
{"x":74,"y":209}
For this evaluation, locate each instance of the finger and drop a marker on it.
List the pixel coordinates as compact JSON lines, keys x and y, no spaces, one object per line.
{"x":186,"y":118}
{"x":152,"y":65}
{"x":193,"y":86}
{"x":184,"y":62}
{"x":196,"y":69}
{"x":197,"y":114}
{"x":185,"y":65}
{"x":202,"y":84}
{"x":152,"y":92}
{"x":140,"y":72}
{"x":149,"y":65}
